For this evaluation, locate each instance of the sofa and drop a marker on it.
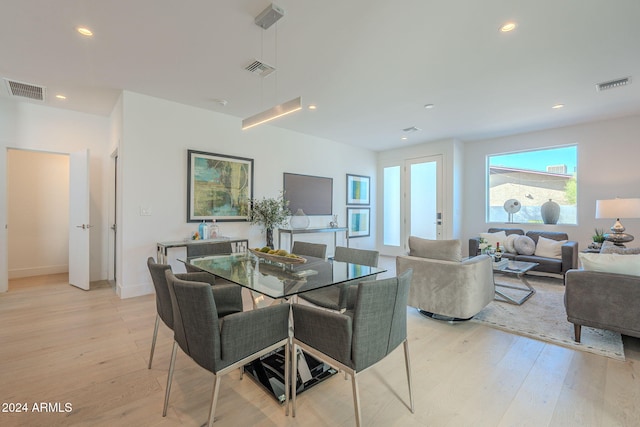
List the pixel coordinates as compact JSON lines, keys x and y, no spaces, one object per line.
{"x":567,"y":260}
{"x":444,"y":286}
{"x":603,"y":300}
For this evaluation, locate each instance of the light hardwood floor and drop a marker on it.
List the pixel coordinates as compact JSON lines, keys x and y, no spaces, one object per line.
{"x":90,"y":349}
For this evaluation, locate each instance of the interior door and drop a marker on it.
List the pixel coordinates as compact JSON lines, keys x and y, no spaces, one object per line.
{"x":411,"y":202}
{"x":79,"y":236}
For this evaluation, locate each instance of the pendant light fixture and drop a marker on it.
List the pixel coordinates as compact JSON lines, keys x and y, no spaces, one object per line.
{"x":264,"y":20}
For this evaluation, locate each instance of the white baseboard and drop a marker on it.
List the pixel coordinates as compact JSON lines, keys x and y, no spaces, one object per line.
{"x":18,"y":273}
{"x":133,"y":291}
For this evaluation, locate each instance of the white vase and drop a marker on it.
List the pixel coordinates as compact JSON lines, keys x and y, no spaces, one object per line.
{"x":299,"y":220}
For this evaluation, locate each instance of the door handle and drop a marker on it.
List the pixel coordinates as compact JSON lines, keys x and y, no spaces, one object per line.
{"x":83,"y":226}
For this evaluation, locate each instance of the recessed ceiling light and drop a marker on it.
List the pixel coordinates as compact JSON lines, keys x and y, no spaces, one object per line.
{"x":61,"y":97}
{"x":557,"y":106}
{"x":404,"y":138}
{"x":509,"y":26}
{"x":313,"y":107}
{"x":85,"y":31}
{"x":429,"y":106}
{"x":222,"y":102}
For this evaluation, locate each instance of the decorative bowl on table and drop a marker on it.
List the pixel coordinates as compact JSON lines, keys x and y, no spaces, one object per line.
{"x":279,"y":258}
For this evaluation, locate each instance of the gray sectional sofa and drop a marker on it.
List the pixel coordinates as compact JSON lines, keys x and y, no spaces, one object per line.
{"x":568,"y":260}
{"x":603,"y":300}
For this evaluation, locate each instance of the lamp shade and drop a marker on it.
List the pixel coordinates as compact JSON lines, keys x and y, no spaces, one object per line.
{"x":618,"y":208}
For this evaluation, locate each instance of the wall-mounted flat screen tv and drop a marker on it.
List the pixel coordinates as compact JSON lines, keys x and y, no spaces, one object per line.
{"x":312,"y":194}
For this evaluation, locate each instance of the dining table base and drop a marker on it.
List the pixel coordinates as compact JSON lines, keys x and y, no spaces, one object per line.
{"x":268,"y":371}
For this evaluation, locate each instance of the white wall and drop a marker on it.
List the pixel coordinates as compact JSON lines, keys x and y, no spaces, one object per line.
{"x":38,"y":211}
{"x":608,"y":166}
{"x":42,"y":128}
{"x":156,"y":135}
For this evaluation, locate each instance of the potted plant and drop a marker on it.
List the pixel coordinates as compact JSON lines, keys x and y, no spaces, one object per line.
{"x":269,"y":213}
{"x":598,"y":238}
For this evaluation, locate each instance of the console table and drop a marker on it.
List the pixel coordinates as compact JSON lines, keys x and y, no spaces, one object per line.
{"x":238,"y":245}
{"x":293,"y":231}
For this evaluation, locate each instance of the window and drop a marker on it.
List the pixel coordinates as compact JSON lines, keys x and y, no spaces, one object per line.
{"x":521,"y":183}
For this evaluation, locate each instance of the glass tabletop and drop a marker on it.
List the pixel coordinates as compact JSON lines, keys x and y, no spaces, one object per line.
{"x":277,"y":280}
{"x":517,"y":267}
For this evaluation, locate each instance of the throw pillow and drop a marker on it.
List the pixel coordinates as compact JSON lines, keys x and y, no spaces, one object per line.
{"x":445,"y":250}
{"x":610,"y":248}
{"x":549,"y":248}
{"x":494,"y":238}
{"x":525,"y":245}
{"x":611,"y":263}
{"x":509,"y":243}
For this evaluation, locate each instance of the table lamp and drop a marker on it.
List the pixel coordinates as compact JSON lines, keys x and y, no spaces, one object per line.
{"x":618,"y":208}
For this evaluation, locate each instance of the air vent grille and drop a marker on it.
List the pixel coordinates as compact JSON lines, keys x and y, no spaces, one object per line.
{"x":259,"y":68}
{"x":613,"y":84}
{"x":411,"y":129}
{"x":26,"y":90}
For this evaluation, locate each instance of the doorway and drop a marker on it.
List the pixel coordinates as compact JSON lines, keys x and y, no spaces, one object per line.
{"x":412,"y":202}
{"x":37,"y":212}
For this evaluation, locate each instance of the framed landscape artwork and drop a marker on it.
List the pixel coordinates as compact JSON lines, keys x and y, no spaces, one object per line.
{"x":358,"y":221}
{"x":358,"y":189}
{"x":219,"y":187}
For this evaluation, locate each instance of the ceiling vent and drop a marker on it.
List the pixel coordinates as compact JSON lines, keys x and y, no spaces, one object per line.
{"x":259,"y":68}
{"x":26,"y":90}
{"x":411,"y":129}
{"x":613,"y":84}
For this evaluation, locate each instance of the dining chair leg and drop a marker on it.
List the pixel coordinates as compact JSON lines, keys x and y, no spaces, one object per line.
{"x":287,"y":375}
{"x":294,"y":378}
{"x":214,"y":399}
{"x":153,"y":341}
{"x":408,"y":366}
{"x":356,"y":398}
{"x":170,"y":378}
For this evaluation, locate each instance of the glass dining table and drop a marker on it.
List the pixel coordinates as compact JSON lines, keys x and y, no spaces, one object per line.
{"x":274,"y":282}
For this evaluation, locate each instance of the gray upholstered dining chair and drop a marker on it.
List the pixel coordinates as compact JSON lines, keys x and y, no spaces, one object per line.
{"x":202,"y":249}
{"x":317,"y":250}
{"x":357,"y":339}
{"x":335,"y":297}
{"x":221,"y":344}
{"x":228,"y":297}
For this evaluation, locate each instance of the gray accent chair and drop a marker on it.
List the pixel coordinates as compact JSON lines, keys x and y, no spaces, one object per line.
{"x":443,"y":286}
{"x":602,"y":300}
{"x":335,"y":297}
{"x":203,"y":249}
{"x":357,"y":339}
{"x":317,"y":250}
{"x":228,"y":297}
{"x":221,"y":344}
{"x":569,"y":258}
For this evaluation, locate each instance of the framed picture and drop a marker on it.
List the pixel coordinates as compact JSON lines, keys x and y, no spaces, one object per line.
{"x":358,"y":221}
{"x":358,"y":189}
{"x":219,"y":187}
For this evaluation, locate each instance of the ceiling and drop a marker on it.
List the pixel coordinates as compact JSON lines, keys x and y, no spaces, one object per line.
{"x":370,"y":66}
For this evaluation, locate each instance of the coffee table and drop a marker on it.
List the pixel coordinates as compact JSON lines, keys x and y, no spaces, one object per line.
{"x":518,"y":269}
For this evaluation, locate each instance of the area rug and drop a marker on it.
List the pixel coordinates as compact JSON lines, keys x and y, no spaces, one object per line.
{"x":543,"y":317}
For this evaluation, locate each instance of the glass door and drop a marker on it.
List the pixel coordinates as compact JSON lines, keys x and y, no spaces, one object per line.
{"x":412,"y":202}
